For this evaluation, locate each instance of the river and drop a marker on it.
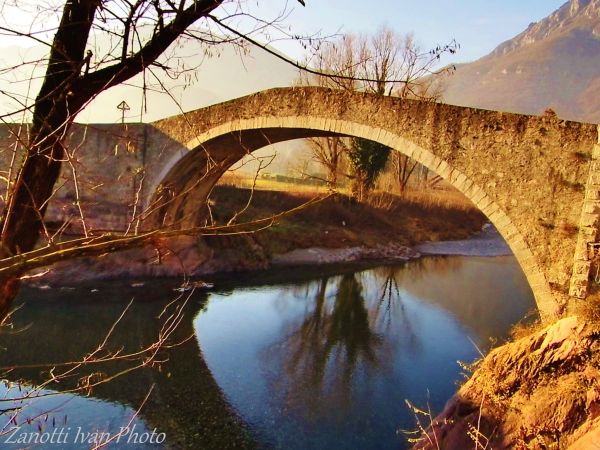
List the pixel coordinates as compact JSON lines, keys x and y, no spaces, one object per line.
{"x":293,"y":359}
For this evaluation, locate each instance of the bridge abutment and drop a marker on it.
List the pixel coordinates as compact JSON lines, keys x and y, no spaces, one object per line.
{"x":588,"y":232}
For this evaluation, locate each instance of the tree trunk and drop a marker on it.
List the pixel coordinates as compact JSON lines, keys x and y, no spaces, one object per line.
{"x":64,"y":92}
{"x":22,"y":221}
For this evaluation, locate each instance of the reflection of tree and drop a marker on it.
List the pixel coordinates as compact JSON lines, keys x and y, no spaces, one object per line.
{"x":389,"y":297}
{"x":323,"y":354}
{"x":349,"y":329}
{"x":355,"y":325}
{"x":420,"y":268}
{"x":486,"y":295}
{"x":306,"y":343}
{"x":388,"y":311}
{"x":342,"y":331}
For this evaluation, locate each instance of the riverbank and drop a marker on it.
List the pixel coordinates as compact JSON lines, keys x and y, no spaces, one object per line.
{"x":487,"y":242}
{"x":540,"y":391}
{"x":333,"y":231}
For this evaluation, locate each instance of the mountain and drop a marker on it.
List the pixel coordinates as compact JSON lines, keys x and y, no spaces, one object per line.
{"x":554,"y":63}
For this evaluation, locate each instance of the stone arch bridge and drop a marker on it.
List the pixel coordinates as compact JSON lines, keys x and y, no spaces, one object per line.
{"x":537,"y":179}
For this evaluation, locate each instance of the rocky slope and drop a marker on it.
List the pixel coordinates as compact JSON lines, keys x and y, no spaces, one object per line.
{"x":554,"y":64}
{"x":540,"y":392}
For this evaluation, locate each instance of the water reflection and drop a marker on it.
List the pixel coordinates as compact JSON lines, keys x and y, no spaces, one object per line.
{"x":40,"y":418}
{"x":479,"y":292}
{"x":338,"y":354}
{"x":325,"y":361}
{"x":186,"y":403}
{"x":322,"y":352}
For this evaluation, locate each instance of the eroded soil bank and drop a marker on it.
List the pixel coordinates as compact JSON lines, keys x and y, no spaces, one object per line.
{"x":541,"y":391}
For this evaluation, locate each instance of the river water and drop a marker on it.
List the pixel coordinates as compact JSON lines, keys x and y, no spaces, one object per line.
{"x":298,"y":359}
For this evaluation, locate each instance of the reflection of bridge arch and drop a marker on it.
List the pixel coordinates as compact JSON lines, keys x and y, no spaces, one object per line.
{"x":197,"y":416}
{"x":504,"y":163}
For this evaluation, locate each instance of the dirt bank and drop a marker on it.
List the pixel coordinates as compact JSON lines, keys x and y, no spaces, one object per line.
{"x":541,"y":391}
{"x":336,"y":230}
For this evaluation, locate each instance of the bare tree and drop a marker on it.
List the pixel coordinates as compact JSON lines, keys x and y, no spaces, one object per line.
{"x":403,"y":168}
{"x":386,"y":63}
{"x":330,"y":153}
{"x":139,"y":32}
{"x":341,"y":62}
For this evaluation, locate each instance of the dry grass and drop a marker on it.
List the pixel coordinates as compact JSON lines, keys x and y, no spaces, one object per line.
{"x":447,"y":198}
{"x":233,"y":180}
{"x":527,"y":326}
{"x":415,"y":216}
{"x":438,"y":198}
{"x":588,"y":309}
{"x":342,"y":222}
{"x":540,"y":391}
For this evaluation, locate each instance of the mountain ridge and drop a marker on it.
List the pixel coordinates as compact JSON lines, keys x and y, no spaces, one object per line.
{"x":554,"y":63}
{"x":571,"y":13}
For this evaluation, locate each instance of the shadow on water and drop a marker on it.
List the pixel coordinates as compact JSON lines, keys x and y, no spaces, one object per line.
{"x":186,"y":403}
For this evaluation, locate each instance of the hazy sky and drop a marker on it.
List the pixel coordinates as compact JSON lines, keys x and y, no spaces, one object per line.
{"x":477,"y":25}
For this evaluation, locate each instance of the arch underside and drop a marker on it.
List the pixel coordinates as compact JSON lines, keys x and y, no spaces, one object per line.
{"x":186,"y":182}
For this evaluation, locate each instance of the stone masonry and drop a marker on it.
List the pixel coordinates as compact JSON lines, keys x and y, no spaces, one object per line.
{"x":585,"y":250}
{"x":528,"y":174}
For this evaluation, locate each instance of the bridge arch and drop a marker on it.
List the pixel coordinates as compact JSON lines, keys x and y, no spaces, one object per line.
{"x":239,"y":133}
{"x":462,"y":145}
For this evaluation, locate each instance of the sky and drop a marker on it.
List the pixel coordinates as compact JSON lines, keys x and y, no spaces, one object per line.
{"x":477,"y":25}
